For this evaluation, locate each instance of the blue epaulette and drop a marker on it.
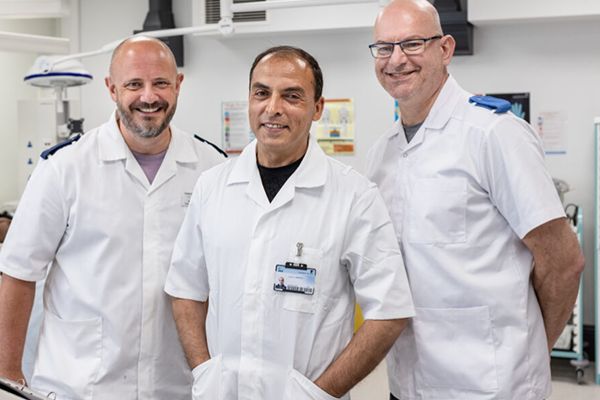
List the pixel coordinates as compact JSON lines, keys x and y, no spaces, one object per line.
{"x":499,"y":106}
{"x":48,"y":152}
{"x":217,"y":148}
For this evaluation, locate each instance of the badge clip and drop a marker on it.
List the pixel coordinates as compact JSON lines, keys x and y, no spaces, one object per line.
{"x":296,"y":265}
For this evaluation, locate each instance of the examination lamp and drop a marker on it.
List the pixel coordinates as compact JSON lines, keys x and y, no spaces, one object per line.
{"x":53,"y":71}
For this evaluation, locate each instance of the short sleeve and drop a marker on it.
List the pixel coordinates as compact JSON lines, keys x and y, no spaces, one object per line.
{"x":37,"y":227}
{"x":517,"y":179}
{"x":374,"y":260}
{"x":187,"y":277}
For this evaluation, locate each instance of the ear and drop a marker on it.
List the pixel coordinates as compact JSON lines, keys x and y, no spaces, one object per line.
{"x":111,"y":88}
{"x":178,"y":81}
{"x":448,"y":45}
{"x":319,"y":106}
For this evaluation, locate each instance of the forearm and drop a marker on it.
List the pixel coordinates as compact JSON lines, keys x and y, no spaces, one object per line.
{"x":556,"y":295}
{"x":365,"y":351}
{"x":558,"y":263}
{"x":16,"y":301}
{"x":190,"y":319}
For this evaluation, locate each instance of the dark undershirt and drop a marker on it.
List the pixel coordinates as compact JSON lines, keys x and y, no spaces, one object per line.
{"x":273,"y":179}
{"x":411,"y":131}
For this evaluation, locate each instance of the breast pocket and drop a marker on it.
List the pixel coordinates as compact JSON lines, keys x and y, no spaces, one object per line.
{"x":69,"y":356}
{"x":312,"y":258}
{"x":438,"y":211}
{"x":455,"y":348}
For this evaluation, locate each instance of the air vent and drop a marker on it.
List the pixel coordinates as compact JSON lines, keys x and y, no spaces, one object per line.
{"x":213,"y":12}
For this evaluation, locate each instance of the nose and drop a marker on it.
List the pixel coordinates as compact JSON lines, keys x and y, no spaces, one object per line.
{"x":398,"y":57}
{"x":148,"y":94}
{"x":274,"y":105}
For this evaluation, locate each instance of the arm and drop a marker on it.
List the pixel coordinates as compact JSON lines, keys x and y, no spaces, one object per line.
{"x":190,"y":318}
{"x":365,"y":351}
{"x":16,"y":301}
{"x":558,"y":264}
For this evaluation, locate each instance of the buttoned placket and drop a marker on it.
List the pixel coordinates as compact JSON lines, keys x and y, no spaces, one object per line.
{"x":251,"y":369}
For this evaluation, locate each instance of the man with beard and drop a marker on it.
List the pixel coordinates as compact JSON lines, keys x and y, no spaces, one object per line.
{"x":103,"y":211}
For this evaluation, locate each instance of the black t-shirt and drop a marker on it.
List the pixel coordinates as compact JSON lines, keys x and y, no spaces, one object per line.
{"x":274,"y":178}
{"x":411,"y":131}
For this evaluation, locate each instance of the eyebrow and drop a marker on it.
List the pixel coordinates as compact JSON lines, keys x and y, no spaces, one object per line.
{"x":298,"y":89}
{"x":258,"y":85}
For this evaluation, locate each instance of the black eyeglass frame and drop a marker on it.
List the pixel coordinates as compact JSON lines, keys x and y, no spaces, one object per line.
{"x":401,"y":44}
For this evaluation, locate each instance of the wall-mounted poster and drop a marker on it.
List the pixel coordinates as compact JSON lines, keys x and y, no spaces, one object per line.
{"x":235,"y":127}
{"x":551,"y":128}
{"x":335,"y":129}
{"x":519,"y":101}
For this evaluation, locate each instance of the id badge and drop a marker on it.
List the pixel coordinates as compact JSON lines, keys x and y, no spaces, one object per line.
{"x":295,"y":278}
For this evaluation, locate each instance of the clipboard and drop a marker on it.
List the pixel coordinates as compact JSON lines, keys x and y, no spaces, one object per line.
{"x":11,"y":390}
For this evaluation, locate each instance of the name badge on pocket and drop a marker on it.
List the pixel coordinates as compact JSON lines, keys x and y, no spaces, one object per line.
{"x":295,"y":278}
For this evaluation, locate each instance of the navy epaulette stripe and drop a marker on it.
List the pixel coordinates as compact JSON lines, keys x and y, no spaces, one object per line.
{"x":217,"y":148}
{"x":48,"y":152}
{"x":495,"y":104}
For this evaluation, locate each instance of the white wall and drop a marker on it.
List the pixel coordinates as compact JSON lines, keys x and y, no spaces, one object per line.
{"x":557,"y":62}
{"x":13,"y":67}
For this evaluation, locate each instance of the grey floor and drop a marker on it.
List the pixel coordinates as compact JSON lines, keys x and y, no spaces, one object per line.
{"x":564,"y":384}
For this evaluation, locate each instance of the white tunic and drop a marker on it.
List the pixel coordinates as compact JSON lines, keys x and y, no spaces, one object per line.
{"x":462,"y":194}
{"x":108,"y":331}
{"x":271,"y":345}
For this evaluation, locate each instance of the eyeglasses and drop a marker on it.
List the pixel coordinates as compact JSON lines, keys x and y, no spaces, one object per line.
{"x":409,"y":47}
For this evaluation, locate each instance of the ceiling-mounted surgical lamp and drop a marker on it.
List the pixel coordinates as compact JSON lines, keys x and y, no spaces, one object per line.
{"x":49,"y":70}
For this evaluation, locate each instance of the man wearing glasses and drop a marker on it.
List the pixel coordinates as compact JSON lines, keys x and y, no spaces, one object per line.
{"x":474,"y":208}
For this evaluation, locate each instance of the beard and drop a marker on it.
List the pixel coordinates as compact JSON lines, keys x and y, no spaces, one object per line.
{"x":146,"y":129}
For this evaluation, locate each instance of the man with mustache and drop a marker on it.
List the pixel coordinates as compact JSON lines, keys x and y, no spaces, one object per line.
{"x":103,"y":210}
{"x":473,"y":206}
{"x":283,"y":209}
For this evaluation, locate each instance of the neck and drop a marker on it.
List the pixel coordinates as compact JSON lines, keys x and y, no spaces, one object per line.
{"x":274,"y":159}
{"x":415,"y":112}
{"x":143,"y":145}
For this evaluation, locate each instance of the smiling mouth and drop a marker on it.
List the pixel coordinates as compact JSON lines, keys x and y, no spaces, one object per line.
{"x":149,"y":108}
{"x":270,"y":125}
{"x":400,"y":74}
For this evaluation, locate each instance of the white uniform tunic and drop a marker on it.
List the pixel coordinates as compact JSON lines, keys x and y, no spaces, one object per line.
{"x":271,"y":345}
{"x":108,"y":331}
{"x":462,"y":194}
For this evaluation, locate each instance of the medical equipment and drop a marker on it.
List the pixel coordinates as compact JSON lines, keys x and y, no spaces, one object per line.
{"x":45,"y":121}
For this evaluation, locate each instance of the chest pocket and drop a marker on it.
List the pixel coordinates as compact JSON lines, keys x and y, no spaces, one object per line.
{"x":438,"y":211}
{"x":313,"y":258}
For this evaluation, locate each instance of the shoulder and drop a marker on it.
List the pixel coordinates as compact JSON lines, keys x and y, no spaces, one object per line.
{"x":485,"y":116}
{"x":347,"y":178}
{"x":75,"y":149}
{"x":57,"y":147}
{"x":484,"y":111}
{"x":210,"y":146}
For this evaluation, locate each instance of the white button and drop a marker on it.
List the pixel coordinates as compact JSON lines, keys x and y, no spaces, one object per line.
{"x":404,"y":155}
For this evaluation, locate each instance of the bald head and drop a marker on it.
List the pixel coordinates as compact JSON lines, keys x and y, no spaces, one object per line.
{"x":144,"y":83}
{"x":131,"y":47}
{"x":414,"y":78}
{"x":421,"y":10}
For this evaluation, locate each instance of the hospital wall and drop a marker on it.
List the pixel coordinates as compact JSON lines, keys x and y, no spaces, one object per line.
{"x":557,"y":62}
{"x":13,"y":67}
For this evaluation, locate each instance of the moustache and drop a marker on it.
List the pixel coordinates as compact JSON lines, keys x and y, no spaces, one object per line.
{"x":143,"y":105}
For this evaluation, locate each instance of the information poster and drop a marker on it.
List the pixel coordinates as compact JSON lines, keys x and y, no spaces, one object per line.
{"x":236,"y":132}
{"x":335,"y":129}
{"x":551,"y":128}
{"x":519,"y":103}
